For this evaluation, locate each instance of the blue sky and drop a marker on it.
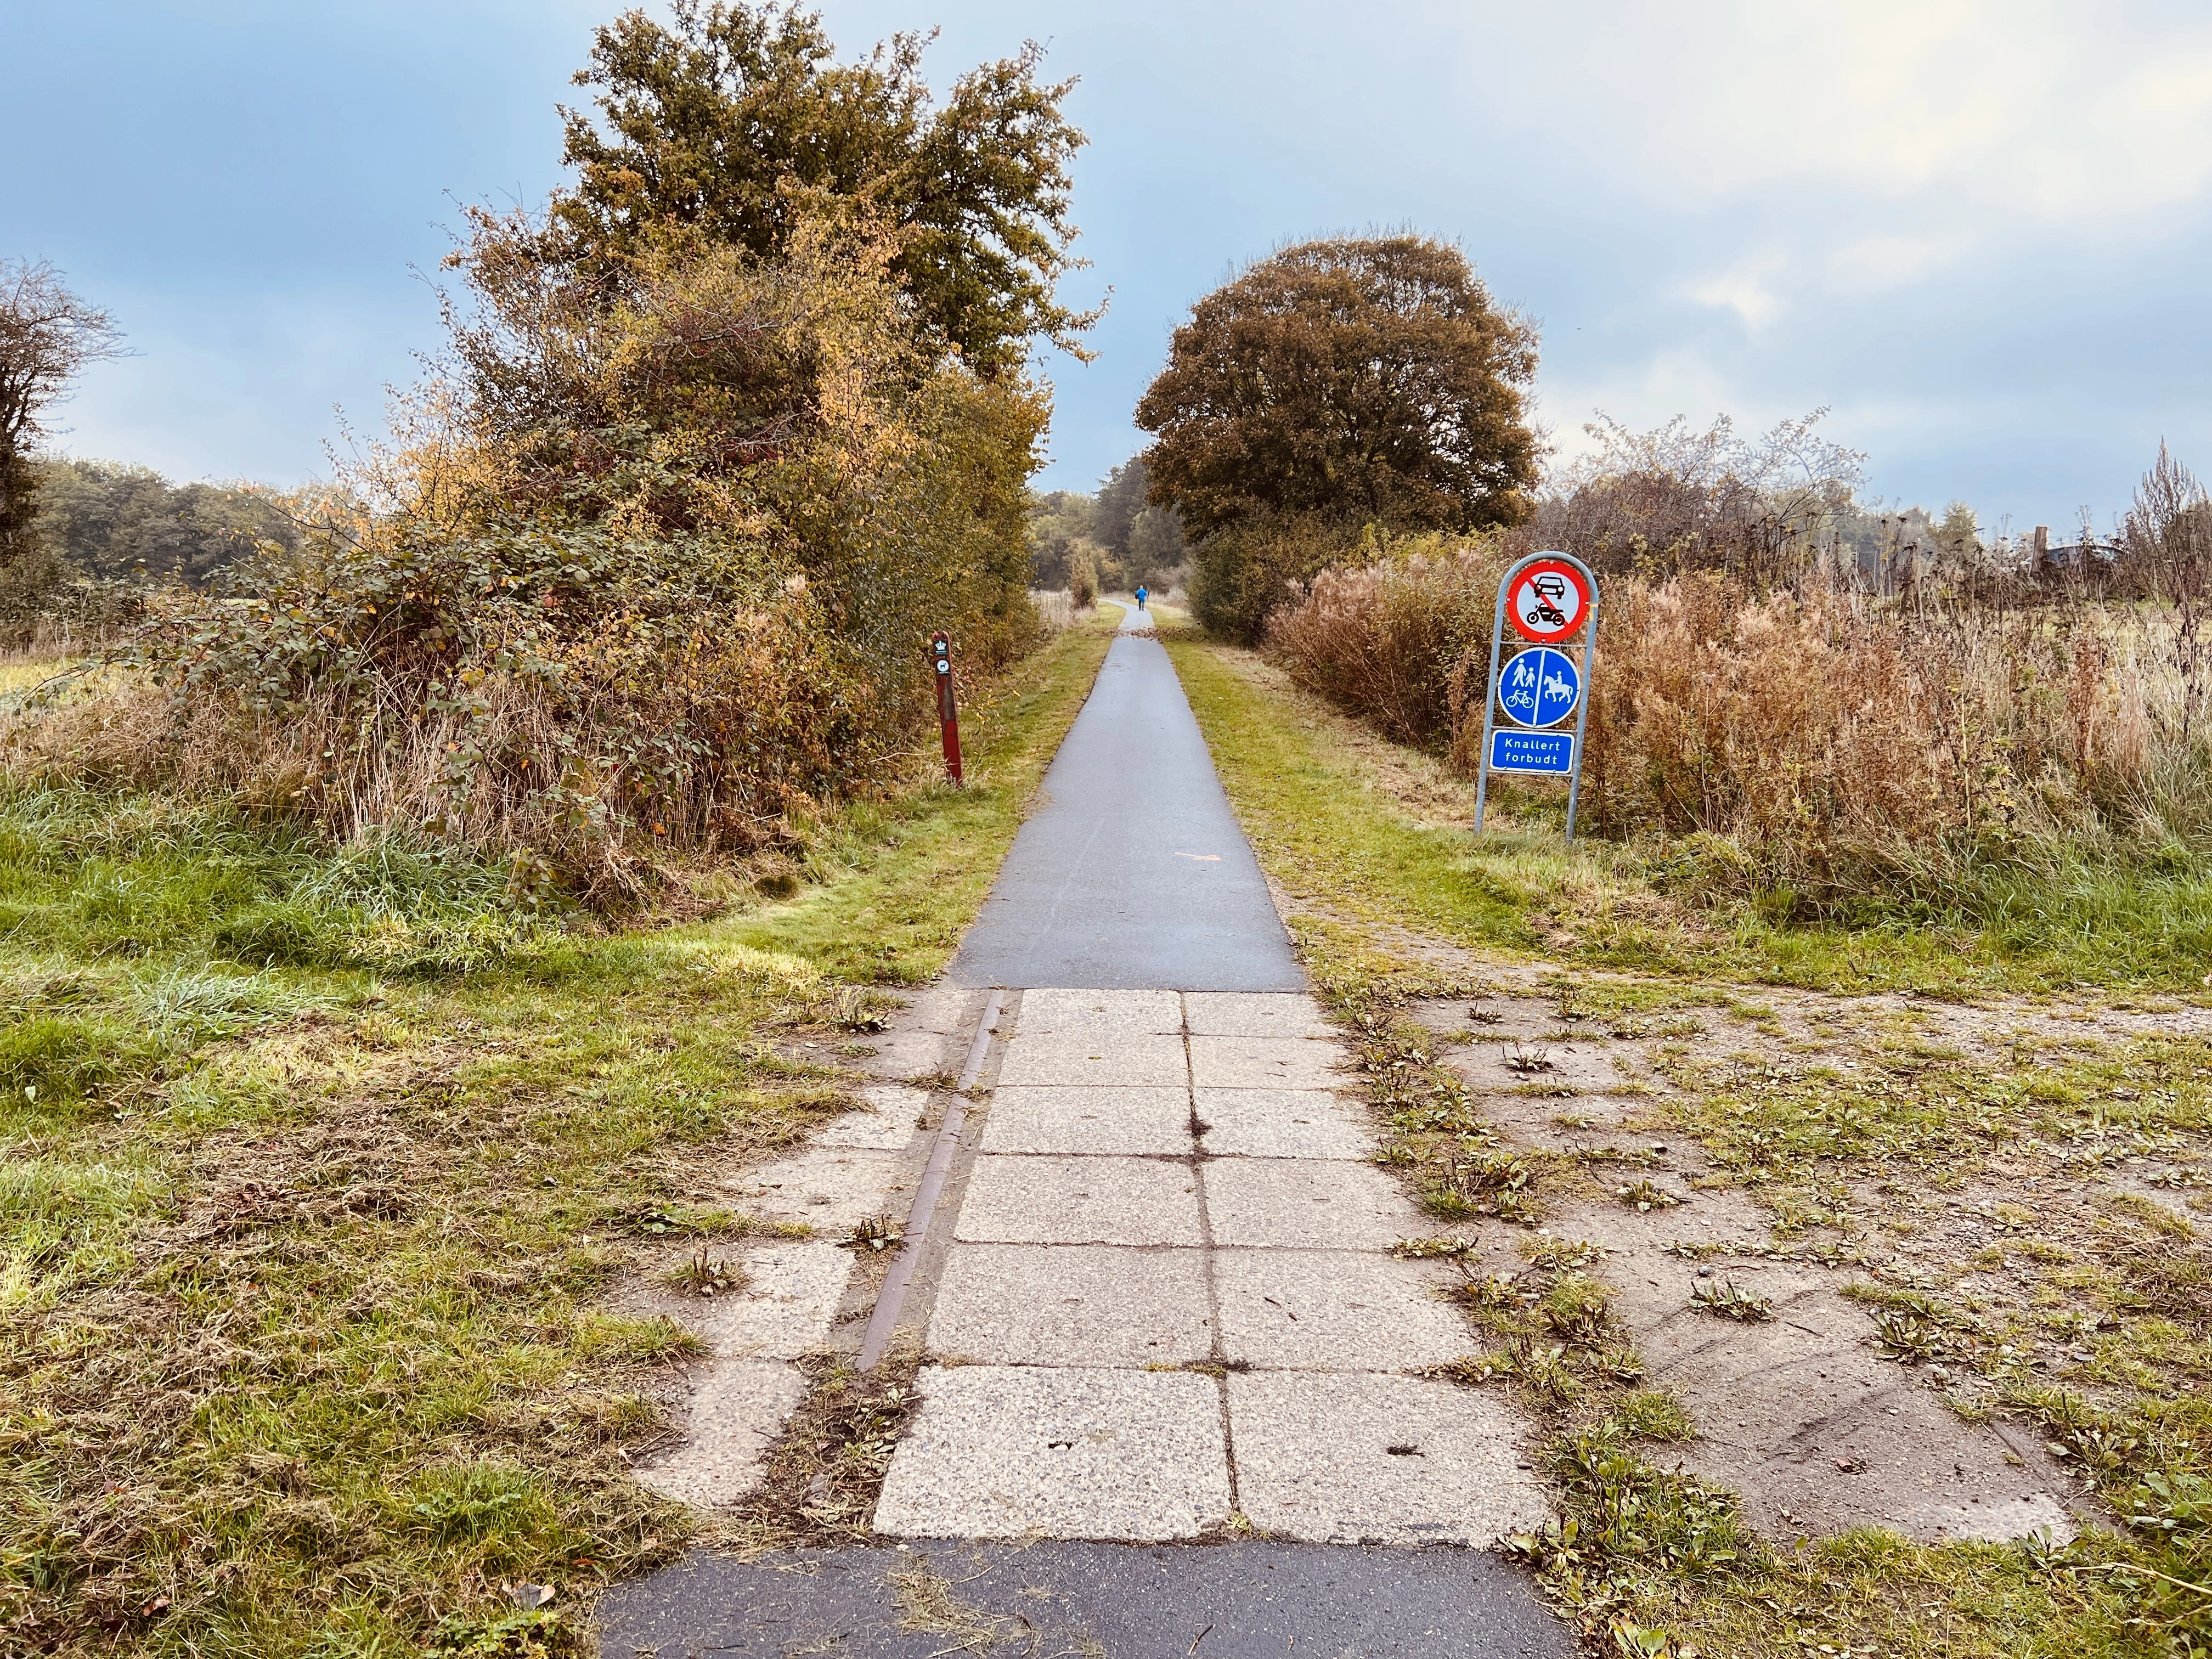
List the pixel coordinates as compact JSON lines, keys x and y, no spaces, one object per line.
{"x":1979,"y":233}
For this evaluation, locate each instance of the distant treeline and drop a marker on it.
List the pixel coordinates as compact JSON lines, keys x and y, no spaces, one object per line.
{"x":1113,"y":540}
{"x":113,"y":521}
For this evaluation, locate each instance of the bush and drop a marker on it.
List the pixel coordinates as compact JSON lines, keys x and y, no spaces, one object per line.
{"x":1241,"y":575}
{"x":656,"y":567}
{"x":1385,"y":640}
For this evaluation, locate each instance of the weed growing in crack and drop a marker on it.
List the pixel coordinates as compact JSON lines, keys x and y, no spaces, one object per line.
{"x":874,"y":1233}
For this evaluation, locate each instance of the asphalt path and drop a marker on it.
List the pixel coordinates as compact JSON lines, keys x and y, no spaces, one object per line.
{"x":1232,"y":1600}
{"x":1133,"y":874}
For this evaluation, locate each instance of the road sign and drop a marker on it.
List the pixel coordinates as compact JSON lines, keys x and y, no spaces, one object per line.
{"x":1539,"y":688}
{"x":1552,"y":753}
{"x":1548,"y":600}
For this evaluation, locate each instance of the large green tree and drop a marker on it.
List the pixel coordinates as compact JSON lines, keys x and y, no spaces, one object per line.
{"x":722,"y":126}
{"x":1372,"y":379}
{"x":1337,"y":386}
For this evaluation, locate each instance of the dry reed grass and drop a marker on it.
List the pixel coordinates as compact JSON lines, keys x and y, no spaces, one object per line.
{"x":1813,"y":740}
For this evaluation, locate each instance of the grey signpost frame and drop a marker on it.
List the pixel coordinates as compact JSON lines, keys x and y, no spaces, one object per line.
{"x":1582,"y":708}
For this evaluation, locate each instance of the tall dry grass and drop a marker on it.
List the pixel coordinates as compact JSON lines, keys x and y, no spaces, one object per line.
{"x":1814,"y":740}
{"x":1387,"y":640}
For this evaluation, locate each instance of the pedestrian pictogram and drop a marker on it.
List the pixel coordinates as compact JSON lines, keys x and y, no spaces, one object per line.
{"x":1548,"y":600}
{"x":1539,"y":688}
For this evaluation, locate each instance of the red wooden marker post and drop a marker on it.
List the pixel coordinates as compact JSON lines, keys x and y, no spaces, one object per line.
{"x":948,"y":716}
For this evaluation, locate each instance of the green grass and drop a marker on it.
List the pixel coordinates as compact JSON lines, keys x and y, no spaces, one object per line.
{"x":893,"y":886}
{"x":1377,"y":836}
{"x":316,"y":1171}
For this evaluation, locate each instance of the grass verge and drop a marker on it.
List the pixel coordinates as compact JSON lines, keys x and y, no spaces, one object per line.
{"x":1377,"y":834}
{"x":319,"y":1169}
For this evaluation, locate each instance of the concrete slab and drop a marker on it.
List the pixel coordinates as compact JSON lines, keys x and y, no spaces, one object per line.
{"x":829,"y":1187}
{"x":888,"y":1117}
{"x":793,"y":1287}
{"x":903,"y":1053}
{"x":1336,"y":1311}
{"x":1071,"y":1304}
{"x":943,"y":1007}
{"x":1153,"y":1122}
{"x":1337,"y":1458}
{"x":1131,"y":1013}
{"x":738,"y":1409}
{"x":1079,"y":1200}
{"x":1233,"y":1062}
{"x":1254,"y":1013}
{"x":1288,"y":1201}
{"x":1065,"y":1058}
{"x":998,"y":1451}
{"x":1283,"y":1123}
{"x":1226,"y":1600}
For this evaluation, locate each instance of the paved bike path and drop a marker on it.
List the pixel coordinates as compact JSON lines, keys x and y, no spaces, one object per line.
{"x":1133,"y":874}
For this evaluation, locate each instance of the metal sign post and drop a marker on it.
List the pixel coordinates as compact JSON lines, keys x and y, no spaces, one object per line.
{"x":948,"y":716}
{"x":1549,"y":597}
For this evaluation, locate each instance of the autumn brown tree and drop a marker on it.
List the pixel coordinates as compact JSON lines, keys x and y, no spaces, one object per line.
{"x":723,"y":127}
{"x":1336,"y":386}
{"x":48,"y":336}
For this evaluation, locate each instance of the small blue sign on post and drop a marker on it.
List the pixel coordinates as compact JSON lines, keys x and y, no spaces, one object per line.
{"x":1549,"y":753}
{"x":1541,"y":687}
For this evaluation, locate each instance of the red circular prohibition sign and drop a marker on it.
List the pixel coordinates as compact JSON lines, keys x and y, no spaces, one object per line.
{"x":1549,"y":603}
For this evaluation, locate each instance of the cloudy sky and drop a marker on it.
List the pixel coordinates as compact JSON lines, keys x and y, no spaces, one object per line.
{"x":1980,"y":234}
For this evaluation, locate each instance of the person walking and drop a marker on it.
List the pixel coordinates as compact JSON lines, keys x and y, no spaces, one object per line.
{"x":1140,"y":598}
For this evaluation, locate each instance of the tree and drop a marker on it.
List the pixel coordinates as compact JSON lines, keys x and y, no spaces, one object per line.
{"x":723,"y":126}
{"x":1366,"y":381}
{"x":47,"y":337}
{"x":1147,"y":540}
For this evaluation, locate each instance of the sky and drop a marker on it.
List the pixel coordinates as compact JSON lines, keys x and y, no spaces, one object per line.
{"x":1978,"y":233}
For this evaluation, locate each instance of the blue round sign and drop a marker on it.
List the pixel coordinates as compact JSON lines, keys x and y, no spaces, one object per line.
{"x":1539,"y":688}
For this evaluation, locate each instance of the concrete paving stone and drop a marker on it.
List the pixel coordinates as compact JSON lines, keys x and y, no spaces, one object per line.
{"x":1071,"y":1304}
{"x":830,"y":1188}
{"x":1090,"y":1013}
{"x":915,"y":1053}
{"x":1234,"y":1062}
{"x":1254,"y":1014}
{"x":1079,"y":1200}
{"x":1283,"y":1123}
{"x":947,"y":1010}
{"x":1347,"y":1310}
{"x":789,"y":1301}
{"x":1337,"y":1206}
{"x":1340,"y":1458}
{"x":739,"y":1408}
{"x":998,"y":1451}
{"x":1122,"y":1061}
{"x":1145,"y":1122}
{"x":888,"y":1118}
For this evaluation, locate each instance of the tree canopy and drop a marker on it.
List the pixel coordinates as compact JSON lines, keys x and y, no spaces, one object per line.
{"x":1366,"y":381}
{"x":724,"y":126}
